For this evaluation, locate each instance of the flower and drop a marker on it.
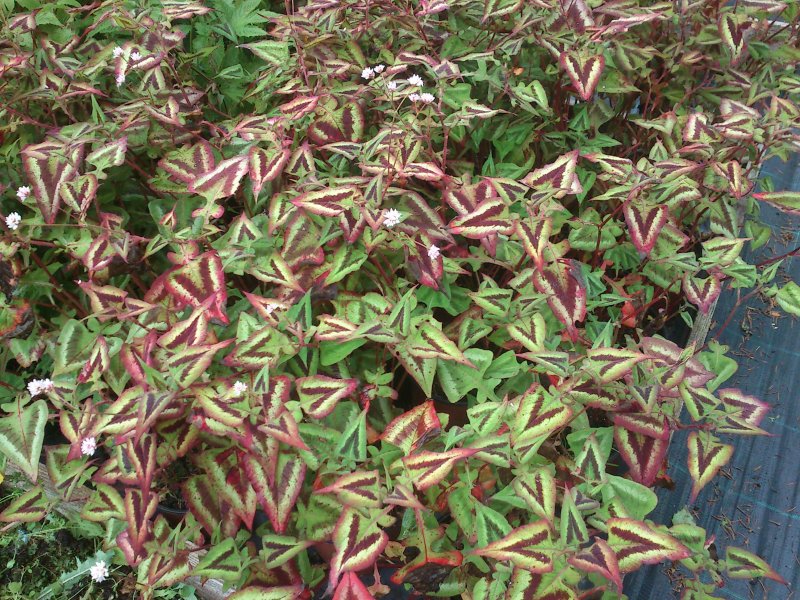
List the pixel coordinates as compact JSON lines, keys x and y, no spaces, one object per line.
{"x":23,"y":192}
{"x":88,"y":446}
{"x":379,"y":68}
{"x":416,"y":80}
{"x":239,"y":388}
{"x":118,"y":52}
{"x":270,"y":308}
{"x":13,"y":221}
{"x":368,"y":73}
{"x":414,"y":97}
{"x":120,"y":79}
{"x":135,"y":56}
{"x":99,"y":571}
{"x":391,"y":86}
{"x":39,"y":386}
{"x":392,"y":217}
{"x":427,"y":98}
{"x":434,"y":252}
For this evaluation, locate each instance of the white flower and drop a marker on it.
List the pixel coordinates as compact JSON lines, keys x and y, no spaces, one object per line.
{"x":416,"y":80}
{"x":414,"y":97}
{"x":427,"y":98}
{"x":391,"y":86}
{"x":118,"y":52}
{"x":88,"y":446}
{"x":434,"y":252}
{"x":13,"y":220}
{"x":135,"y":56}
{"x":392,"y":217}
{"x":270,"y":308}
{"x":99,"y":571}
{"x":379,"y":68}
{"x":39,"y":386}
{"x":120,"y":79}
{"x":368,"y":73}
{"x":239,"y":388}
{"x":23,"y":192}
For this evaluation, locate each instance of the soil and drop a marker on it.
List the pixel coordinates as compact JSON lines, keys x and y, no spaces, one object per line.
{"x":169,"y":482}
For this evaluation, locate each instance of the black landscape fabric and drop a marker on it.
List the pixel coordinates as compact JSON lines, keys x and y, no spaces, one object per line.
{"x":755,"y":504}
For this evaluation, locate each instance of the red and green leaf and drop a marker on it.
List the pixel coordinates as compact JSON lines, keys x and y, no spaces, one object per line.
{"x":358,"y":543}
{"x":277,"y":491}
{"x":526,"y":547}
{"x":565,"y":294}
{"x":319,"y":394}
{"x":643,"y":454}
{"x":706,"y":457}
{"x":538,"y":490}
{"x":197,"y":281}
{"x":584,"y":72}
{"x":223,"y":180}
{"x":741,"y":564}
{"x":411,"y":429}
{"x":30,"y":506}
{"x":358,"y":489}
{"x":598,"y":558}
{"x":429,"y":468}
{"x":48,"y":166}
{"x":637,"y":543}
{"x":645,"y":224}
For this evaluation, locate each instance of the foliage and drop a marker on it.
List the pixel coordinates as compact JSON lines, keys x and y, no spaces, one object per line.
{"x":390,"y":275}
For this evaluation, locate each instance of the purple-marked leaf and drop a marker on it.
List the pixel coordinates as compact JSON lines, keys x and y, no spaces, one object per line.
{"x":598,"y":558}
{"x":105,"y":503}
{"x":429,"y":468}
{"x":636,"y":543}
{"x":221,"y":181}
{"x":584,"y":72}
{"x":343,"y":125}
{"x":258,"y":592}
{"x":610,"y":364}
{"x":643,"y":454}
{"x":266,"y":166}
{"x":426,"y":171}
{"x":358,"y":543}
{"x":645,"y":224}
{"x":538,"y":490}
{"x":329,"y":202}
{"x":652,"y":425}
{"x":191,"y":331}
{"x":265,"y":347}
{"x":614,"y":168}
{"x":301,"y":242}
{"x":493,"y":449}
{"x":732,"y":32}
{"x":222,"y":561}
{"x":230,"y":480}
{"x":498,"y":8}
{"x":299,"y":107}
{"x":525,"y":584}
{"x":787,"y":201}
{"x":421,"y":369}
{"x":97,"y":363}
{"x":188,"y":364}
{"x":48,"y":166}
{"x":706,"y":457}
{"x":749,"y":409}
{"x":188,"y":163}
{"x":590,"y":460}
{"x":197,"y":281}
{"x":203,"y":502}
{"x":732,"y":171}
{"x":22,"y":434}
{"x":699,"y":402}
{"x":535,"y":238}
{"x":283,"y":428}
{"x":29,"y":507}
{"x":108,"y":155}
{"x":139,"y":510}
{"x":409,"y":430}
{"x":319,"y":394}
{"x":79,"y":193}
{"x":539,"y":415}
{"x":741,"y":564}
{"x":560,"y":175}
{"x":274,"y":269}
{"x":531,"y":333}
{"x":702,"y":292}
{"x":358,"y":489}
{"x":565,"y":294}
{"x":105,"y":300}
{"x":430,"y":342}
{"x":523,"y":548}
{"x":279,"y":549}
{"x":275,"y":52}
{"x":351,"y":588}
{"x":698,"y":130}
{"x":490,"y":217}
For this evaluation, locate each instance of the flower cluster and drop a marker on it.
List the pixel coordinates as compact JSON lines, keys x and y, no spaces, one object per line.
{"x":99,"y":571}
{"x":392,"y":217}
{"x":13,"y":220}
{"x":88,"y":446}
{"x":39,"y":386}
{"x":370,"y":72}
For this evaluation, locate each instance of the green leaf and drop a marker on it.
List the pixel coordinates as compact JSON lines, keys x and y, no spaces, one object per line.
{"x":21,"y":436}
{"x":788,"y":298}
{"x":741,"y":564}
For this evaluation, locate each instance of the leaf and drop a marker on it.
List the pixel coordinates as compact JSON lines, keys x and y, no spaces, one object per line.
{"x":565,"y":295}
{"x":643,"y":454}
{"x":490,"y":217}
{"x":189,"y":364}
{"x":358,"y":544}
{"x":351,"y":588}
{"x":430,"y":342}
{"x":749,"y":409}
{"x":108,"y":155}
{"x":277,"y":490}
{"x":741,"y":564}
{"x":572,"y":529}
{"x":272,"y":51}
{"x":584,"y":72}
{"x":221,"y":181}
{"x":598,"y":558}
{"x":788,"y":298}
{"x":265,"y":166}
{"x":611,"y":364}
{"x":257,"y":592}
{"x":330,"y":202}
{"x":429,"y":468}
{"x":421,"y":369}
{"x":197,"y":281}
{"x":276,"y":550}
{"x":48,"y":166}
{"x":732,"y":33}
{"x":186,"y":164}
{"x":222,"y":561}
{"x":702,"y":292}
{"x":560,"y":175}
{"x":645,"y":224}
{"x":319,"y":394}
{"x":706,"y":457}
{"x":538,"y":490}
{"x":21,"y":436}
{"x":522,"y":548}
{"x":636,"y":543}
{"x":358,"y":489}
{"x":535,"y":238}
{"x":409,"y":430}
{"x":28,"y":507}
{"x":539,"y":416}
{"x":105,"y":503}
{"x":345,"y":124}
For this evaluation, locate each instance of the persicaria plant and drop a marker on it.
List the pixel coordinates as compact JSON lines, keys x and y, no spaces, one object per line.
{"x":336,"y":290}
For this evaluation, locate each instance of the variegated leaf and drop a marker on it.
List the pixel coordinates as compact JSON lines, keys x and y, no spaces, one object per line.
{"x":429,"y":468}
{"x":610,"y":364}
{"x":645,"y":224}
{"x":48,"y":166}
{"x":741,"y":564}
{"x":565,"y":294}
{"x":643,"y":454}
{"x":584,"y":72}
{"x":411,"y":429}
{"x":223,"y":180}
{"x":732,"y":31}
{"x":706,"y":457}
{"x":277,"y":491}
{"x":319,"y":394}
{"x":538,"y":490}
{"x":358,"y":543}
{"x":598,"y":558}
{"x":490,"y":217}
{"x":702,"y":292}
{"x":358,"y":489}
{"x":637,"y":543}
{"x":329,"y":202}
{"x":526,"y":547}
{"x":29,"y":507}
{"x":197,"y":281}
